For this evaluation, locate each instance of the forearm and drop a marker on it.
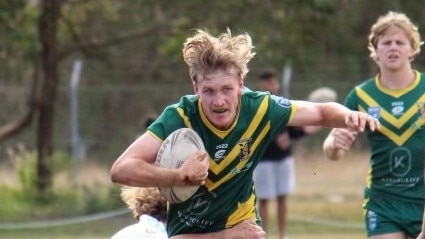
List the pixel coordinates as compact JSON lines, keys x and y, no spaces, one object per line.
{"x":331,"y":115}
{"x":136,"y":165}
{"x":330,"y":151}
{"x":138,"y":173}
{"x":334,"y":115}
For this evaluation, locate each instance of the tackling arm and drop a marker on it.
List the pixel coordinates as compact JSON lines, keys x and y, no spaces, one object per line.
{"x":331,"y":115}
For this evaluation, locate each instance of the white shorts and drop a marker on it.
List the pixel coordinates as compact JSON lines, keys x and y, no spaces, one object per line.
{"x":274,"y":178}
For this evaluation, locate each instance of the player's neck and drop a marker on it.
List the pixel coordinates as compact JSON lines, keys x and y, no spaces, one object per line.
{"x":397,"y":80}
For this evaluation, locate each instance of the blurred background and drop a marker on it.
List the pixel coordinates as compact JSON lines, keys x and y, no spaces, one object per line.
{"x":79,"y":78}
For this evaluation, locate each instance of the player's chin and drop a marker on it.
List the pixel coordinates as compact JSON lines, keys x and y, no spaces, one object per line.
{"x":221,"y":121}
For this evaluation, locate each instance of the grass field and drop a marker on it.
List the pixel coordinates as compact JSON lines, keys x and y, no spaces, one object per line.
{"x":326,"y":204}
{"x":327,"y":201}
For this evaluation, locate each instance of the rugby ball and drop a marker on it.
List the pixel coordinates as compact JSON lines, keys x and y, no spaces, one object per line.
{"x":322,"y":95}
{"x":174,"y":151}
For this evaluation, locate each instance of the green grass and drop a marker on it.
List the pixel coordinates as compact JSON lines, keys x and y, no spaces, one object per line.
{"x":91,"y":230}
{"x":326,"y":191}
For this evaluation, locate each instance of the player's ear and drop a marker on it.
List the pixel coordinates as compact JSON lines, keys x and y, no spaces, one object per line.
{"x":240,"y":84}
{"x":195,"y":87}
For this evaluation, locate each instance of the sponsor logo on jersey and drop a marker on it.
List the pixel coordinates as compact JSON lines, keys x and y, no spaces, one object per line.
{"x":397,"y":107}
{"x":194,"y":214}
{"x":400,"y":161}
{"x":398,"y":110}
{"x":219,"y":155}
{"x":221,"y":151}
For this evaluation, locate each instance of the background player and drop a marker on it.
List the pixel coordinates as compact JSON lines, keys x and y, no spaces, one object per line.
{"x":394,"y":194}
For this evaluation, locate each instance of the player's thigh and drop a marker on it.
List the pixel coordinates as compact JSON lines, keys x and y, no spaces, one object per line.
{"x":394,"y":235}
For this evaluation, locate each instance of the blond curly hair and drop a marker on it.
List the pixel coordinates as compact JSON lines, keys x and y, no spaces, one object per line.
{"x":204,"y":53}
{"x":145,"y":201}
{"x":394,"y":19}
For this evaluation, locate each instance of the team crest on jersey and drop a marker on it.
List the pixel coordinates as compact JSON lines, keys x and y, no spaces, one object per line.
{"x":421,"y":109}
{"x":245,"y":148}
{"x":283,"y":102}
{"x":374,"y":111}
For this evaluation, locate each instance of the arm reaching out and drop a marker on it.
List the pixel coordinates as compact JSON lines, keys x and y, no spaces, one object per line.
{"x":346,"y":123}
{"x":332,"y":115}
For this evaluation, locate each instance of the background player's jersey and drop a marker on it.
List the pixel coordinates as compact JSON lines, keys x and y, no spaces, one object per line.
{"x":397,"y":159}
{"x":228,"y":197}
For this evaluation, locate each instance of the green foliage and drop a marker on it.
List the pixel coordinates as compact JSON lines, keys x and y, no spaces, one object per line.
{"x":94,"y":200}
{"x":172,"y":47}
{"x":25,"y":164}
{"x":18,"y":205}
{"x":18,"y":30}
{"x":21,"y":201}
{"x":78,"y":15}
{"x":18,"y":38}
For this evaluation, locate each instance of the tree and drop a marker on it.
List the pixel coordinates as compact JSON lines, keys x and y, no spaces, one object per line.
{"x":46,"y":79}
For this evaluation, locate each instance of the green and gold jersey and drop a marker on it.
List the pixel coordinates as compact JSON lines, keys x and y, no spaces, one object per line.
{"x":398,"y":148}
{"x":228,"y":197}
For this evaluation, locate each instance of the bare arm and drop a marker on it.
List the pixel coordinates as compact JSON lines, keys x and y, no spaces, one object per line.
{"x":332,"y":115}
{"x":135,"y":166}
{"x":309,"y":129}
{"x":247,"y":229}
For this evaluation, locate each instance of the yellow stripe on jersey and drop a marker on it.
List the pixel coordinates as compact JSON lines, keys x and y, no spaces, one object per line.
{"x":371,"y":102}
{"x":213,"y":185}
{"x":220,"y":133}
{"x":397,"y":138}
{"x":369,"y":178}
{"x":243,"y":212}
{"x":184,"y":117}
{"x":216,"y":168}
{"x":293,"y":111}
{"x":368,"y":184}
{"x":398,"y":93}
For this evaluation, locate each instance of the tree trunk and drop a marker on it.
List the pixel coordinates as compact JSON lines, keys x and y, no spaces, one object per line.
{"x":48,"y":22}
